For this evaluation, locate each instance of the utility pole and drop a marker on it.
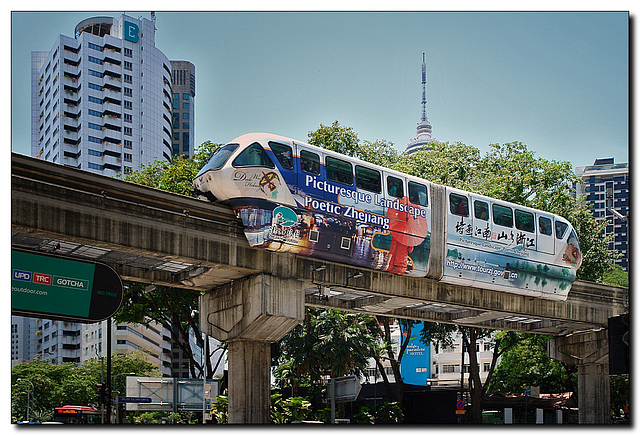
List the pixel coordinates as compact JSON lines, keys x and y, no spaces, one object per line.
{"x":108,"y":387}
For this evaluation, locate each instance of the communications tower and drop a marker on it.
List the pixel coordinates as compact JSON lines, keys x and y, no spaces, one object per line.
{"x":423,"y":136}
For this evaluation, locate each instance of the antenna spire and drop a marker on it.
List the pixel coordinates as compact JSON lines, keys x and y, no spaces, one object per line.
{"x":424,"y":87}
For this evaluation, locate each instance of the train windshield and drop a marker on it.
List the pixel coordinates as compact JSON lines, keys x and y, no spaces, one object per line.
{"x":219,"y":158}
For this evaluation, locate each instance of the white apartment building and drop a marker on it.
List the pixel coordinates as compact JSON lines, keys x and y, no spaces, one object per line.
{"x":152,"y":339}
{"x":106,"y":100}
{"x":449,"y":367}
{"x":101,"y":100}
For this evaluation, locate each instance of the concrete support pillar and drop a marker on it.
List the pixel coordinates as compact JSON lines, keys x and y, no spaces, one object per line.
{"x":249,"y":381}
{"x":249,"y":315}
{"x":590,"y":352}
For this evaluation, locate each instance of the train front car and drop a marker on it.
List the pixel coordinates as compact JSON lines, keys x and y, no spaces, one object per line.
{"x":501,"y":246}
{"x":298,"y":198}
{"x":243,"y":174}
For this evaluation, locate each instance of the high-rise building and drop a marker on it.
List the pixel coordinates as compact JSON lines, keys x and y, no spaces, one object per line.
{"x":184,"y":92}
{"x":101,"y":100}
{"x":22,"y":348}
{"x":423,"y":136}
{"x":605,"y":185}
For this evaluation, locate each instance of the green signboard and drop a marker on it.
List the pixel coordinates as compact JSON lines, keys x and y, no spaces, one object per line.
{"x":45,"y":285}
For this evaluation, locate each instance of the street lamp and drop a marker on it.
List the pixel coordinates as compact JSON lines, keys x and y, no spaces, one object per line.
{"x":204,"y":374}
{"x":29,"y":388}
{"x":118,"y":404}
{"x":29,"y":380}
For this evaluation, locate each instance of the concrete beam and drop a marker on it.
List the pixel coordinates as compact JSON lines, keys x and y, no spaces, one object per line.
{"x":259,"y":308}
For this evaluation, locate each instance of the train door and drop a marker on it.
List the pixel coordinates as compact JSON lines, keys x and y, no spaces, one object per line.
{"x":480,"y":218}
{"x":460,"y":255}
{"x":525,"y":229}
{"x":395,"y":201}
{"x":309,"y":174}
{"x":502,"y":226}
{"x":284,"y":154}
{"x":459,"y":221}
{"x":546,"y":241}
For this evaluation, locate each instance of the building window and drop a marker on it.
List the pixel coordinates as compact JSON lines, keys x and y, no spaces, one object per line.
{"x":450,"y":368}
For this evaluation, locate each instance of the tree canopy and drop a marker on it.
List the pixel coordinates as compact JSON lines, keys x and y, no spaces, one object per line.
{"x":68,"y":383}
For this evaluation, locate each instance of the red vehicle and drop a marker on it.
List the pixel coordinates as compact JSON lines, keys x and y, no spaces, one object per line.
{"x":76,"y":414}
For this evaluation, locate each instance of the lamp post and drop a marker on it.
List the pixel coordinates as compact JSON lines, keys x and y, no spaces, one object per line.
{"x":205,"y":340}
{"x":118,"y":404}
{"x":102,"y":382}
{"x":29,"y":380}
{"x":29,"y":388}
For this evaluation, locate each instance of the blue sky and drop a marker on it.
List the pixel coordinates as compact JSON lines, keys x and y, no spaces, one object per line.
{"x":557,"y":81}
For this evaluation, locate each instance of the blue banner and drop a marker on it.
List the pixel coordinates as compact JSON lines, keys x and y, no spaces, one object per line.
{"x":415,"y":367}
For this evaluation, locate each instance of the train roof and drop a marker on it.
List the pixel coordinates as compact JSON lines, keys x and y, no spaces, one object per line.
{"x":252,"y":137}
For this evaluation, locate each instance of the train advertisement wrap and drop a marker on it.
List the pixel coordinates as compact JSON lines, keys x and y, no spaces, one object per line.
{"x":294,"y":197}
{"x":375,"y":232}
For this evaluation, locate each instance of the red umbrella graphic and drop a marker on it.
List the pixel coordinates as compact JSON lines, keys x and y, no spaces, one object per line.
{"x":407,"y":231}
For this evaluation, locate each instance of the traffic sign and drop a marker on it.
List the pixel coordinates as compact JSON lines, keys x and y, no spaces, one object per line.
{"x":460,"y":405}
{"x":133,"y":399}
{"x":50,"y":286}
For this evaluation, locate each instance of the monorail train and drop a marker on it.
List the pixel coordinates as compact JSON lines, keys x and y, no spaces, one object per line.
{"x":299,"y":198}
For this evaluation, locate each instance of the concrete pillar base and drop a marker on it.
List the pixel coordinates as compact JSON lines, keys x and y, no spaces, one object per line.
{"x":590,"y":352}
{"x":249,"y":382}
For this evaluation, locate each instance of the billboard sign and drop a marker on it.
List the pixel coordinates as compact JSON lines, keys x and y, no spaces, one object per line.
{"x":44,"y":285}
{"x":415,"y":367}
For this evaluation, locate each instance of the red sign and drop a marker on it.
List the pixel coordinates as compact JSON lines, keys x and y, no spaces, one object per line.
{"x":460,"y":404}
{"x":41,"y":278}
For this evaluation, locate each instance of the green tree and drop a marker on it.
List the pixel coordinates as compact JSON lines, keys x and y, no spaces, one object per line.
{"x":616,"y":276}
{"x":378,"y":152}
{"x":453,"y":165}
{"x":54,"y":385}
{"x":335,"y":138}
{"x":328,"y":342}
{"x":176,"y":176}
{"x":172,"y":308}
{"x":381,"y":327}
{"x":526,"y":364}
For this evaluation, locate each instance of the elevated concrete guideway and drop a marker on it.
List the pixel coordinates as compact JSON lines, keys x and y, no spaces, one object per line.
{"x":156,"y":237}
{"x":253,"y":297}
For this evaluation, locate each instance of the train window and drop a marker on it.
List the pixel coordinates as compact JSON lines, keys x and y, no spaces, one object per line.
{"x":481,"y":210}
{"x":458,"y":204}
{"x":561,"y":227}
{"x":309,"y":162}
{"x":418,"y":193}
{"x":525,"y":221}
{"x":220,"y":157}
{"x":339,"y":171}
{"x":253,"y":155}
{"x":368,"y":179}
{"x":502,"y":215}
{"x":544,"y":225}
{"x":283,"y":153}
{"x":395,"y":187}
